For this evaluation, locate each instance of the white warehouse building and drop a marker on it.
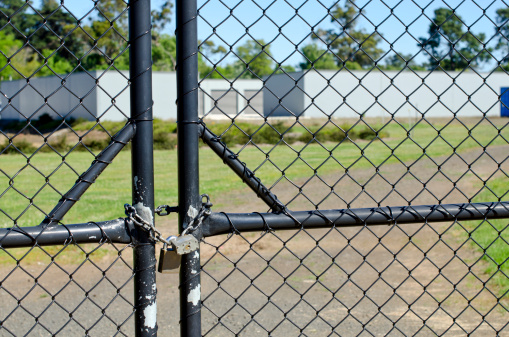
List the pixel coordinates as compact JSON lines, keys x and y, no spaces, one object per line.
{"x":347,"y":94}
{"x":105,"y":95}
{"x":310,"y":94}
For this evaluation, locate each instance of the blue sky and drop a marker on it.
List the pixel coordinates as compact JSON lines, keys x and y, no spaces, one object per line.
{"x":297,"y":21}
{"x":296,"y":17}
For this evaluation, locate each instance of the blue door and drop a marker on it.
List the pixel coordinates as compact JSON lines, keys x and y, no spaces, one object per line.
{"x":504,"y":102}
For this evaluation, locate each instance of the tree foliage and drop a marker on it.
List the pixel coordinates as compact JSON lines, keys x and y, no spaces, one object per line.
{"x":46,"y":39}
{"x":252,"y":60}
{"x":401,"y":61}
{"x":449,"y":46}
{"x":353,"y":46}
{"x":50,"y":40}
{"x":317,"y":58}
{"x":255,"y":60}
{"x":502,"y":31}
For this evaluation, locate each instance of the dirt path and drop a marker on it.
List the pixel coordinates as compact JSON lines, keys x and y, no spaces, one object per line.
{"x":389,"y":280}
{"x":408,"y":279}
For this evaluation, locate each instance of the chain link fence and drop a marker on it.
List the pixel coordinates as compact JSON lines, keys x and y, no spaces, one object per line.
{"x":372,"y":133}
{"x":373,"y":109}
{"x":56,"y":63}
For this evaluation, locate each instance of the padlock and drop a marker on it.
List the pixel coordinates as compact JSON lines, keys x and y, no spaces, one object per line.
{"x":184,"y":244}
{"x":169,"y":260}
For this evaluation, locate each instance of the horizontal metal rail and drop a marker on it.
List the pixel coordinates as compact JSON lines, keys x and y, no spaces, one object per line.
{"x":117,"y":231}
{"x":113,"y":231}
{"x":222,"y":223}
{"x":103,"y":159}
{"x":240,"y":168}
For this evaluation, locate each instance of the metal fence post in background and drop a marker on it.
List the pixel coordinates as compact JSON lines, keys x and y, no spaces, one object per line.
{"x":189,"y":194}
{"x":142,"y":164}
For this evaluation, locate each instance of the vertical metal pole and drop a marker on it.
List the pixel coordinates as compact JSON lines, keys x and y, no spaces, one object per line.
{"x":189,"y":194}
{"x":140,"y":67}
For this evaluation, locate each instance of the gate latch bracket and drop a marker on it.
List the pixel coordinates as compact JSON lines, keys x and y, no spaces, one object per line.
{"x":164,"y":210}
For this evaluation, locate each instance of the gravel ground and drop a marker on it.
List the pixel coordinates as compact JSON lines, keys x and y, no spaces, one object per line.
{"x":399,"y":280}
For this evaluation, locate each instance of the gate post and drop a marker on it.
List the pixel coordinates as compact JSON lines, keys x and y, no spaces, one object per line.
{"x":140,"y":68}
{"x":188,"y":174}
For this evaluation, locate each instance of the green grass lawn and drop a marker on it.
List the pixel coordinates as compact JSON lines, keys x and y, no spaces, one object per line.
{"x":491,"y":239}
{"x":30,"y":187}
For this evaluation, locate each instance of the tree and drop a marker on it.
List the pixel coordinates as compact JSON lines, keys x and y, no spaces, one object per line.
{"x":401,"y":61}
{"x":164,"y":46}
{"x":317,"y":58}
{"x":54,"y":41}
{"x":502,"y":31}
{"x":280,"y":69}
{"x":48,"y":34}
{"x":9,"y":46}
{"x":209,"y":57}
{"x":164,"y":52}
{"x":109,"y":33}
{"x":449,"y":46}
{"x":254,"y":59}
{"x":57,"y":44}
{"x":354,"y":47}
{"x":162,"y":17}
{"x":113,"y":11}
{"x":19,"y":17}
{"x":18,"y":24}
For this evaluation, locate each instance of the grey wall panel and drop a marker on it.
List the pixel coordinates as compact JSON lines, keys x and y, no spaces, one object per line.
{"x":51,"y":95}
{"x":283,"y":95}
{"x":82,"y":94}
{"x":164,"y":91}
{"x":224,"y":102}
{"x":239,"y":87}
{"x":113,"y":100}
{"x":255,"y":105}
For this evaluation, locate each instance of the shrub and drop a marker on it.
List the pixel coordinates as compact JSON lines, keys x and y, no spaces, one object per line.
{"x":15,"y":126}
{"x":164,"y":126}
{"x":369,"y":134}
{"x":266,"y":135}
{"x":45,"y":123}
{"x":271,"y":134}
{"x":96,"y":145}
{"x":326,"y":134}
{"x":234,"y":135}
{"x":84,"y":125}
{"x":22,"y":145}
{"x":164,"y":140}
{"x":109,"y":126}
{"x":77,"y":122}
{"x":60,"y":145}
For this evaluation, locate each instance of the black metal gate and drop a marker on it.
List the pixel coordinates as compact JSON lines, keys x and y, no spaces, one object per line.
{"x":376,"y":123}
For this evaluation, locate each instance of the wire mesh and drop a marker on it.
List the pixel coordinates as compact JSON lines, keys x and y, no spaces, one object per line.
{"x":351,"y":104}
{"x":64,"y":73}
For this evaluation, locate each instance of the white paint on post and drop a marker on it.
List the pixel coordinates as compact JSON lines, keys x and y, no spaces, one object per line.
{"x":144,"y":212}
{"x":192,"y":212}
{"x":194,"y":295}
{"x":150,"y":313}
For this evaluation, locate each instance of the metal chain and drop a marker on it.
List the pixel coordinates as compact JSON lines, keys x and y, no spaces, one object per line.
{"x":137,"y":220}
{"x":204,"y":211}
{"x":164,"y":210}
{"x":155,"y":234}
